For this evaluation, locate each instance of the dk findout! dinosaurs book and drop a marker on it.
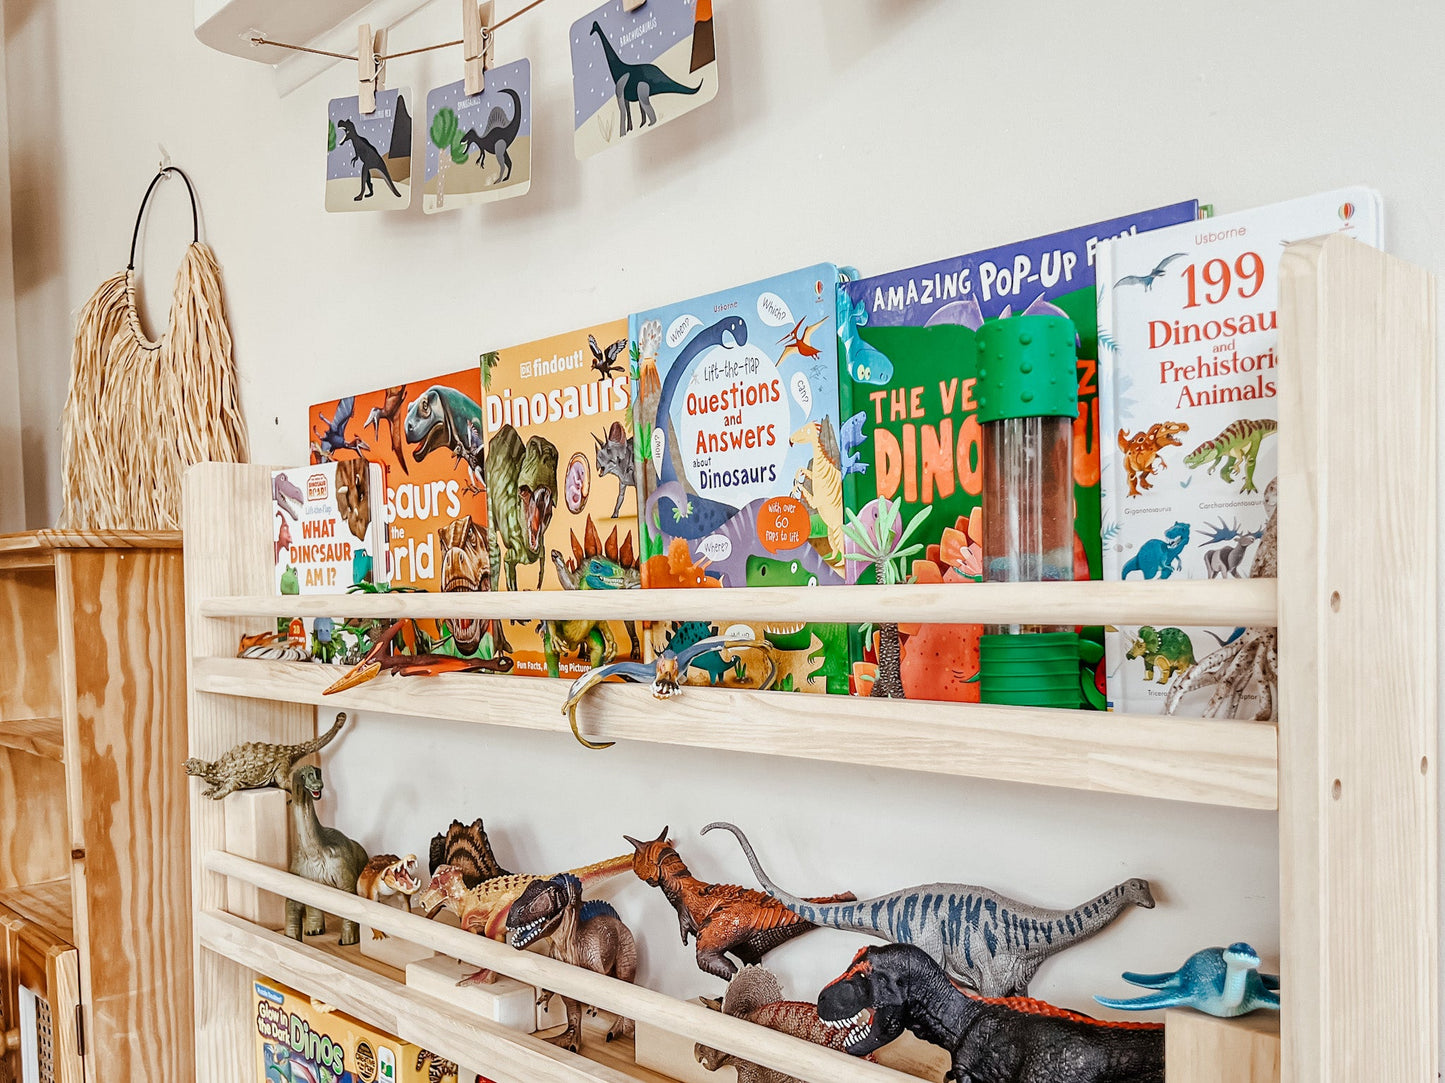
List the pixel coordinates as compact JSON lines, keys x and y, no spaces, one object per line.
{"x":368,"y":155}
{"x":562,"y":492}
{"x":910,"y":440}
{"x":634,"y":70}
{"x":479,"y":146}
{"x":1188,"y":412}
{"x":736,"y":400}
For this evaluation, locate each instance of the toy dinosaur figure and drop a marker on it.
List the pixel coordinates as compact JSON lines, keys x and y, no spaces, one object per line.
{"x":824,"y":478}
{"x":387,"y":876}
{"x":1148,"y":280}
{"x":586,"y":934}
{"x":439,"y":418}
{"x":866,"y":364}
{"x":466,"y":848}
{"x":1167,"y":650}
{"x":989,"y":942}
{"x":724,"y":919}
{"x":1223,"y":982}
{"x":363,"y":153}
{"x":1224,"y":562}
{"x":1141,"y":452}
{"x":498,"y":135}
{"x":483,"y":909}
{"x":390,"y":412}
{"x":637,"y":83}
{"x":664,"y":673}
{"x":322,"y":854}
{"x":521,"y":496}
{"x":604,"y":363}
{"x":895,"y":987}
{"x":756,"y":995}
{"x":380,"y":658}
{"x":614,"y":456}
{"x":1158,"y":557}
{"x":687,"y":514}
{"x":333,"y":439}
{"x":256,"y":764}
{"x":1237,"y":447}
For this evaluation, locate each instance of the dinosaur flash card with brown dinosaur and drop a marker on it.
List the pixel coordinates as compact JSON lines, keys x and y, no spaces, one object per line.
{"x":479,"y":146}
{"x":368,"y":155}
{"x":561,"y":490}
{"x":635,"y":70}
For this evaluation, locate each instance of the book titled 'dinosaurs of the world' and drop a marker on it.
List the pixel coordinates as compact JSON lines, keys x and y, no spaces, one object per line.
{"x":1189,"y":384}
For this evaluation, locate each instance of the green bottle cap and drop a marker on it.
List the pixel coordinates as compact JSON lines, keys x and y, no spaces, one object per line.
{"x":1032,"y":669}
{"x":1027,"y":367}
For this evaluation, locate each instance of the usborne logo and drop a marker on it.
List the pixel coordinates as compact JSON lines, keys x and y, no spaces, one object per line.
{"x":316,"y":488}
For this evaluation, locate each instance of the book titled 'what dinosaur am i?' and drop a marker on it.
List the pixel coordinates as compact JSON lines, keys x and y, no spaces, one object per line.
{"x":738,"y":466}
{"x":1188,"y":334}
{"x":561,"y":492}
{"x":327,"y":532}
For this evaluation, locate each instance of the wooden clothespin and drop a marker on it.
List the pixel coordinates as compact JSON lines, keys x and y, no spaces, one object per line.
{"x":632,"y":5}
{"x":370,"y":67}
{"x":476,"y":43}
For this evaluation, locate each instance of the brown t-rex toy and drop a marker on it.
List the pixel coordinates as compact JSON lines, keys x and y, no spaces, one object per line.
{"x":725,"y":919}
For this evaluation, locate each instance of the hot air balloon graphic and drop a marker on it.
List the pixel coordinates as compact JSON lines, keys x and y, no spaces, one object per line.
{"x":1347,"y":211}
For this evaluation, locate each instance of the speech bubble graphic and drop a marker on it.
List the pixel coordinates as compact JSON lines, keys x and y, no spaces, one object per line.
{"x":783,"y":523}
{"x":716,"y":547}
{"x":802,"y":392}
{"x":680,"y":329}
{"x":739,"y":631}
{"x":659,"y":447}
{"x":774,"y":311}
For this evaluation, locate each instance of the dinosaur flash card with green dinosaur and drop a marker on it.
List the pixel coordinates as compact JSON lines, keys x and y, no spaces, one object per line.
{"x":634,"y":70}
{"x":368,"y":156}
{"x":561,"y":491}
{"x":479,"y":146}
{"x":1188,"y":409}
{"x":428,"y":435}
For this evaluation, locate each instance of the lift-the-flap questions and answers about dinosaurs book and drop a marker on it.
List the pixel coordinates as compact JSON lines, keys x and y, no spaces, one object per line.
{"x":634,"y":70}
{"x":479,"y":146}
{"x":368,"y":155}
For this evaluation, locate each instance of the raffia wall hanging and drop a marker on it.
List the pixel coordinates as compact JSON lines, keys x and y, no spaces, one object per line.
{"x":140,"y":411}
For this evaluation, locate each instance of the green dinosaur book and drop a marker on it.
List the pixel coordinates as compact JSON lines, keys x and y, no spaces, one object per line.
{"x":561,"y":491}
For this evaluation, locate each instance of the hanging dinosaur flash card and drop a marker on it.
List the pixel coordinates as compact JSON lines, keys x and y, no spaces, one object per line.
{"x":368,"y":155}
{"x":479,"y":146}
{"x":632,"y":71}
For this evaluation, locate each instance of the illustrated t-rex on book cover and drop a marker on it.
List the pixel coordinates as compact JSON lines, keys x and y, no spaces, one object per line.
{"x":562,"y":492}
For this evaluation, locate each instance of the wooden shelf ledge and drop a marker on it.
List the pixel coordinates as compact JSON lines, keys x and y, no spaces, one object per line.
{"x":460,"y":1036}
{"x":1249,"y":602}
{"x":1183,"y":759}
{"x":39,"y":736}
{"x":35,"y":541}
{"x":48,"y":904}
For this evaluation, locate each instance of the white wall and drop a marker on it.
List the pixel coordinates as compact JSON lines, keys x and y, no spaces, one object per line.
{"x":873,"y":132}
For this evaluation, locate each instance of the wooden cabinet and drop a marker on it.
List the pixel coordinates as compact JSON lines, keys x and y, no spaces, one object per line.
{"x":94,"y":881}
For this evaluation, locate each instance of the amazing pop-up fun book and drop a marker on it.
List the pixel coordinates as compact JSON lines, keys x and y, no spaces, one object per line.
{"x":910,"y":436}
{"x":1188,"y":335}
{"x":561,"y":491}
{"x":736,"y":400}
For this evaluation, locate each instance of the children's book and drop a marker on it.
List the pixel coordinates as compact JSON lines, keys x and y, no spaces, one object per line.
{"x":1188,"y":331}
{"x":562,"y":492}
{"x":327,"y":530}
{"x":910,"y":438}
{"x":479,"y":146}
{"x":368,"y":155}
{"x":635,"y":70}
{"x":738,"y":460}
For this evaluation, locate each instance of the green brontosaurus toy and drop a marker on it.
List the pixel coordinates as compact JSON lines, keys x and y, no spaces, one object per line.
{"x":521,"y":496}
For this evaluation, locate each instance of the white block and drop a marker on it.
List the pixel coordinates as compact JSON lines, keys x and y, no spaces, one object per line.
{"x":392,"y":950}
{"x":672,"y":1055}
{"x":256,"y":829}
{"x":504,"y":1001}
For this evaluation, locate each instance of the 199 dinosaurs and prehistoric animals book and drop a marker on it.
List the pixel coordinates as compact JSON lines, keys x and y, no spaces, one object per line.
{"x":736,"y":399}
{"x":910,"y":436}
{"x":562,"y":492}
{"x":1187,"y":330}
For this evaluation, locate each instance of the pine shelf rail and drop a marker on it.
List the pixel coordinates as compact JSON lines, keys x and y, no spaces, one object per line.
{"x":1186,"y":759}
{"x":1350,"y":767}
